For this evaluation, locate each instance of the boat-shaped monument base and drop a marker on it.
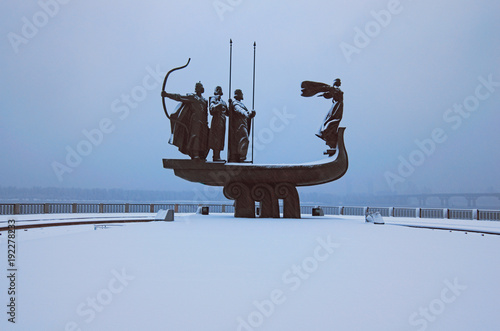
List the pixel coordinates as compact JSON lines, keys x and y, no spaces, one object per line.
{"x":266,"y":183}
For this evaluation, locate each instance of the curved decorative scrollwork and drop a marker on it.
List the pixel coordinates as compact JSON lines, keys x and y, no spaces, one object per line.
{"x":244,"y":206}
{"x":235,"y":190}
{"x":283,"y":190}
{"x":264,"y":193}
{"x":290,"y":196}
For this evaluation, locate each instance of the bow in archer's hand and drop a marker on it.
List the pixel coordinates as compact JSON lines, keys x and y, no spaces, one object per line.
{"x":165,"y":84}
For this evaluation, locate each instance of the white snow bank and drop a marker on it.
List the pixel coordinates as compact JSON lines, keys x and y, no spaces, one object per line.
{"x":216,"y":272}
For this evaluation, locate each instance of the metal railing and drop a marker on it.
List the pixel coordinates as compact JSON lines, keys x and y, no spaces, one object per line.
{"x":461,"y":214}
{"x":384,"y":211}
{"x":86,"y":208}
{"x":404,"y":212}
{"x":354,"y":211}
{"x":489,"y":215}
{"x":72,"y":208}
{"x":432,"y":213}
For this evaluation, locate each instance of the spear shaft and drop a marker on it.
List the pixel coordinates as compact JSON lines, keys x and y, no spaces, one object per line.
{"x":230,"y":64}
{"x":230,"y":114}
{"x":253,"y":95}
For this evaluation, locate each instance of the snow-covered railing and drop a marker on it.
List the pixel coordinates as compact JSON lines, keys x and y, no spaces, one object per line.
{"x":491,"y":215}
{"x":355,"y":211}
{"x":384,"y":211}
{"x":140,"y":208}
{"x":432,"y":213}
{"x":85,"y":208}
{"x":73,"y":208}
{"x":464,"y":214}
{"x":404,"y":212}
{"x":59,"y":208}
{"x":7,"y":209}
{"x":31,"y":208}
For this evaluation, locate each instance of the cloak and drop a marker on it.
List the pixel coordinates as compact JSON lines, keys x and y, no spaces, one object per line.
{"x":241,"y":121}
{"x":218,"y":110}
{"x":311,"y":88}
{"x":189,"y":126}
{"x":329,"y":130}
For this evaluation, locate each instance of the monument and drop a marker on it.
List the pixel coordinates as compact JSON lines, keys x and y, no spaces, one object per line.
{"x":242,"y":181}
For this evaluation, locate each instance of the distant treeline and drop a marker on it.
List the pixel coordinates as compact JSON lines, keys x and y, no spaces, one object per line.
{"x":54,"y":194}
{"x":93,"y":194}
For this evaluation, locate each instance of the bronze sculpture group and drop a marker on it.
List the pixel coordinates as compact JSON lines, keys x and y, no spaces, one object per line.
{"x":189,"y":125}
{"x":191,"y":134}
{"x":248,"y":184}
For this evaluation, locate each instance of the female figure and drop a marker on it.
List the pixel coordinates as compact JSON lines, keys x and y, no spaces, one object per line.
{"x":329,"y":130}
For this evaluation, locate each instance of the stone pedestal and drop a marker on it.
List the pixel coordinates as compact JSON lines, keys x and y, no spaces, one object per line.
{"x":268,"y":195}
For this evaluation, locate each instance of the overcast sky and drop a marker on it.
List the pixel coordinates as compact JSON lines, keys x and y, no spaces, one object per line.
{"x":421,"y":82}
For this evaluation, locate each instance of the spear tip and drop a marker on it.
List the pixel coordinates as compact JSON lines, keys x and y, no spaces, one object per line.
{"x":230,"y":41}
{"x":254,"y":44}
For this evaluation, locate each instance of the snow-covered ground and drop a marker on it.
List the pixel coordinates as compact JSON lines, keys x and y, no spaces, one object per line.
{"x":64,"y":218}
{"x":218,"y":273}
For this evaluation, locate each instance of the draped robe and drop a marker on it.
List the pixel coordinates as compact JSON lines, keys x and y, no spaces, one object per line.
{"x":241,"y":125}
{"x":218,"y":110}
{"x":189,"y":125}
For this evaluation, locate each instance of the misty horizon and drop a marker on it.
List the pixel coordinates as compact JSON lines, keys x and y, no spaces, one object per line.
{"x":81,"y":102}
{"x":73,"y":195}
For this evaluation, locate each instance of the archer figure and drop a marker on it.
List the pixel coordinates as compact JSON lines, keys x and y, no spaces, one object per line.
{"x":189,"y":125}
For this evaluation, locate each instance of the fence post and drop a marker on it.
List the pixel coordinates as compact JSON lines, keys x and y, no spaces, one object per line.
{"x":151,"y":208}
{"x":46,"y":208}
{"x":17,"y":208}
{"x":127,"y":208}
{"x":223,"y":209}
{"x":391,"y":211}
{"x":176,"y":208}
{"x":101,"y":208}
{"x":475,"y":214}
{"x":417,"y":212}
{"x":341,"y":210}
{"x":74,"y":208}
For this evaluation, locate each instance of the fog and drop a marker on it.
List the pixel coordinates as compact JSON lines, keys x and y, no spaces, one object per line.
{"x":81,"y":83}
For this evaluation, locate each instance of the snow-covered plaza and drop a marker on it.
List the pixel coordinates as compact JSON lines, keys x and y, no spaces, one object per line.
{"x":215,"y":272}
